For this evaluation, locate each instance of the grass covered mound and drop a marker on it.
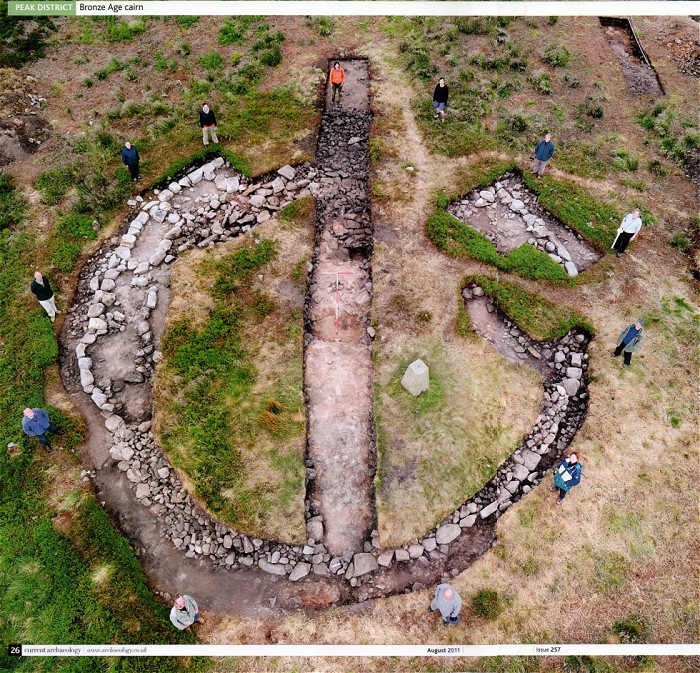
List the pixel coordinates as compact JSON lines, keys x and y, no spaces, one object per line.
{"x":438,"y":449}
{"x":541,"y":319}
{"x":596,"y":222}
{"x":230,"y":409}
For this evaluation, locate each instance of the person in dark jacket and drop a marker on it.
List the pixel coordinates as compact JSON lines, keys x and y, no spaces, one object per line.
{"x":629,"y":340}
{"x":41,"y":289}
{"x":207,"y":121}
{"x":440,"y":96}
{"x":131,"y":158}
{"x":566,"y":476}
{"x":35,"y":424}
{"x":544,"y":150}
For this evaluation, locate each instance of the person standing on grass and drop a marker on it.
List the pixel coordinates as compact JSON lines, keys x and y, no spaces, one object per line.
{"x":629,"y":230}
{"x":207,"y":121}
{"x":35,"y":423}
{"x":131,"y":158}
{"x":440,"y":98}
{"x":41,"y":289}
{"x":337,"y":79}
{"x":566,"y":476}
{"x":544,"y":151}
{"x":185,"y":612}
{"x":448,"y":602}
{"x":629,"y":340}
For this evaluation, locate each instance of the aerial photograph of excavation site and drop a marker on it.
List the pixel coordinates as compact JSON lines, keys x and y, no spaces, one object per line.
{"x":350,"y":331}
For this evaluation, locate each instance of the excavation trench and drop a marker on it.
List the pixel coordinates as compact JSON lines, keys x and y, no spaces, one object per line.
{"x":639,"y":73}
{"x":338,"y":359}
{"x":110,"y":346}
{"x":509,"y":215}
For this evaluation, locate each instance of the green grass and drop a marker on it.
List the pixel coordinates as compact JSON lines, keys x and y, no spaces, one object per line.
{"x":13,"y":206}
{"x":455,"y":238}
{"x":23,"y":38}
{"x":219,"y":416}
{"x":437,"y":449}
{"x":487,"y":604}
{"x":541,"y":319}
{"x":49,"y":594}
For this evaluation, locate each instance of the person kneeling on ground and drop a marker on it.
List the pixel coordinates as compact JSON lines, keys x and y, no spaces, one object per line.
{"x":629,"y":340}
{"x":440,"y":96}
{"x":566,"y":476}
{"x":185,"y":612}
{"x":448,"y":602}
{"x":35,"y":424}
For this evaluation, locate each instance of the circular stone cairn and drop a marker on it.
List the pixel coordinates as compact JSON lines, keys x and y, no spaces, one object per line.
{"x":232,"y":207}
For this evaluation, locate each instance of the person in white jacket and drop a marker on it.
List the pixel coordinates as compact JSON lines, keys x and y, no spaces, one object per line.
{"x":628,"y":231}
{"x":185,"y":612}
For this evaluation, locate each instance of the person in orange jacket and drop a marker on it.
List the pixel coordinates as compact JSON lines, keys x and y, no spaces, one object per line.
{"x":337,"y":78}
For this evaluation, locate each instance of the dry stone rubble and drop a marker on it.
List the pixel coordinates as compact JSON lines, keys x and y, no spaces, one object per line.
{"x":508,"y":214}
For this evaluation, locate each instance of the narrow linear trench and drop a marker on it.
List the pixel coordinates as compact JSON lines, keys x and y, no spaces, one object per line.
{"x":637,"y":70}
{"x":338,"y":360}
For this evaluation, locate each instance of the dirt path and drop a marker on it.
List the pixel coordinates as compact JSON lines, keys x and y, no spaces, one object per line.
{"x":338,"y":361}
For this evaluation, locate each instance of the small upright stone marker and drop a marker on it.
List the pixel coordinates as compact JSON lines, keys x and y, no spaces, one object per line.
{"x":415,"y":380}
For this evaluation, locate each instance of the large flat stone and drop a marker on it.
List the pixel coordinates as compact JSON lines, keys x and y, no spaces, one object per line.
{"x":364,"y":563}
{"x":447,"y":533}
{"x":571,"y":386}
{"x":489,"y":510}
{"x":530,"y":459}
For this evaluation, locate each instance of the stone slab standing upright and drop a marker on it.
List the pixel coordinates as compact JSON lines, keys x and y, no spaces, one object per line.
{"x":415,"y":379}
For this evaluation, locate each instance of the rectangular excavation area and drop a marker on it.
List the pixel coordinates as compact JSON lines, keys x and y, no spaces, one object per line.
{"x":508,"y":214}
{"x":639,"y":74}
{"x":338,"y":361}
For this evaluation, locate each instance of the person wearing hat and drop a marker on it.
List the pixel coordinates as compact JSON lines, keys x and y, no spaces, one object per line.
{"x":448,"y":602}
{"x":629,"y":229}
{"x":185,"y":612}
{"x":629,"y":340}
{"x":566,"y":476}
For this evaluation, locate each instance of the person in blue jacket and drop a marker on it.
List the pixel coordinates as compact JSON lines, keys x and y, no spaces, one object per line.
{"x":566,"y":476}
{"x":544,"y":150}
{"x":131,"y":158}
{"x":35,"y":424}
